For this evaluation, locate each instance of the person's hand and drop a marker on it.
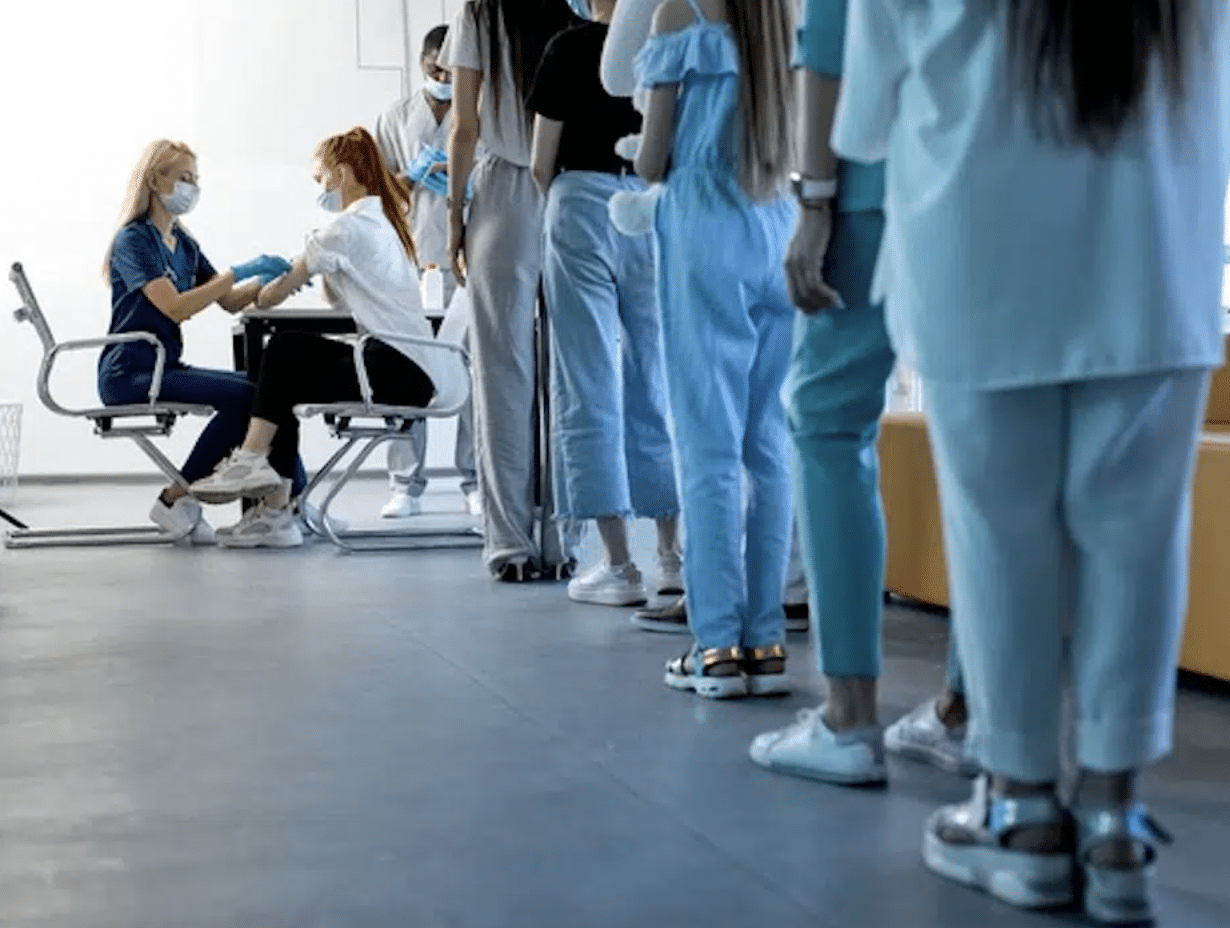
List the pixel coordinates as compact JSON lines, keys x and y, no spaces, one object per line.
{"x":457,"y":246}
{"x":264,"y":265}
{"x":805,"y":262}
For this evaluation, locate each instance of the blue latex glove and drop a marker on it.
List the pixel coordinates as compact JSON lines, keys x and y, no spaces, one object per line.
{"x":418,"y":170}
{"x":437,"y":183}
{"x":270,"y":266}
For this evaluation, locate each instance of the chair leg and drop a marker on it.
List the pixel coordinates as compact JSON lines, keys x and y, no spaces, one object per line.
{"x":403,"y":538}
{"x":92,"y":537}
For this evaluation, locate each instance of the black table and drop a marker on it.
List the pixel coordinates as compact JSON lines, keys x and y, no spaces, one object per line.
{"x":254,"y":327}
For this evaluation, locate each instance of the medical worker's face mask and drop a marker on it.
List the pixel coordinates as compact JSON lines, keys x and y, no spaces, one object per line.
{"x":438,"y":89}
{"x":181,"y":199}
{"x":435,"y":78}
{"x":581,"y":8}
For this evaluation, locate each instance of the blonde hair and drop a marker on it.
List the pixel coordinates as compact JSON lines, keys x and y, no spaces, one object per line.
{"x":764,"y":32}
{"x":153,"y":160}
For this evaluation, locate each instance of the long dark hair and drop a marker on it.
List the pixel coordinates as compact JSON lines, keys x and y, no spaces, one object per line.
{"x":527,"y":26}
{"x":764,"y":32}
{"x":1088,"y":66}
{"x":359,"y":150}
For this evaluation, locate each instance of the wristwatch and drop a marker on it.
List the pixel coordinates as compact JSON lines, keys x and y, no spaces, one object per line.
{"x":813,"y":193}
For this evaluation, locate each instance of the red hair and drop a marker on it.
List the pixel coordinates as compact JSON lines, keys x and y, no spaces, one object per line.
{"x":359,"y":151}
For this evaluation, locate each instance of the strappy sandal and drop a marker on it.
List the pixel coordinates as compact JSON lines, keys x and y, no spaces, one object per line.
{"x":985,"y":860}
{"x":1118,"y":896}
{"x":765,"y":669}
{"x":719,"y":674}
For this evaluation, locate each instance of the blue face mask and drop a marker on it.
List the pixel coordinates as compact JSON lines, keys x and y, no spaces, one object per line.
{"x":581,"y":8}
{"x":181,"y":199}
{"x":330,"y":200}
{"x":438,"y":89}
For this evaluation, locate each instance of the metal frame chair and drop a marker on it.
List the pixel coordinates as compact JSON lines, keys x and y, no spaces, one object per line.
{"x":375,"y":424}
{"x":136,"y":422}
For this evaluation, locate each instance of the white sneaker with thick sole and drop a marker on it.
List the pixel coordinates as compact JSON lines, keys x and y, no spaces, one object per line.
{"x":809,"y":748}
{"x":604,"y":585}
{"x":921,"y":735}
{"x":177,"y":517}
{"x":262,"y":527}
{"x":244,"y":474}
{"x":402,"y":505}
{"x":670,"y":575}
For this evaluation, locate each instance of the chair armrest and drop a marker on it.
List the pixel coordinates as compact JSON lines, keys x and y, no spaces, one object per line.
{"x":360,"y":366}
{"x":44,"y":376}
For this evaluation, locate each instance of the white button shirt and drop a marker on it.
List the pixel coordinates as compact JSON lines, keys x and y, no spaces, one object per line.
{"x":1010,"y":260}
{"x":370,"y":275}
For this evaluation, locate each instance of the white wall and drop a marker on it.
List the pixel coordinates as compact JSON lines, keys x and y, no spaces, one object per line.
{"x":252,"y":85}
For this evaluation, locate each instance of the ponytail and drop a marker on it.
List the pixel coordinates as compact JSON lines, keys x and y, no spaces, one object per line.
{"x":359,"y":151}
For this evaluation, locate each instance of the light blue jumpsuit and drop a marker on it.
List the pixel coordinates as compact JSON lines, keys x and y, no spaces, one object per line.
{"x":726,"y":330}
{"x":1062,"y":308}
{"x":842,"y":361}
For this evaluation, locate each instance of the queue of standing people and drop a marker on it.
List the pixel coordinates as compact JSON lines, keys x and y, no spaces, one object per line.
{"x":741,"y":220}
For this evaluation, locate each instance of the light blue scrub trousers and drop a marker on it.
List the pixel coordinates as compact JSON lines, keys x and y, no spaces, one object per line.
{"x":1068,"y":499}
{"x":842,"y":361}
{"x":727,"y":321}
{"x":611,"y":446}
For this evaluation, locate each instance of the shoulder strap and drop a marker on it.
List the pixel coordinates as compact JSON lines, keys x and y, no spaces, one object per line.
{"x":700,"y":15}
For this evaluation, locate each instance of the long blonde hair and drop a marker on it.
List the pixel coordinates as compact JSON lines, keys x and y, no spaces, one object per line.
{"x":155,"y":158}
{"x":764,"y":32}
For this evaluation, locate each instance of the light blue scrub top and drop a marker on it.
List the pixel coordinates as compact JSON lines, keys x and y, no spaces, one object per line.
{"x":820,"y":48}
{"x":1011,"y":259}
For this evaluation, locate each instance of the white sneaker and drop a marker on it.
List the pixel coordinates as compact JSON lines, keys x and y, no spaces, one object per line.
{"x":474,"y":504}
{"x":604,"y":585}
{"x":809,"y":748}
{"x":243,"y":474}
{"x":262,"y":527}
{"x":402,"y":505}
{"x":177,"y":517}
{"x":670,"y":575}
{"x":921,"y":735}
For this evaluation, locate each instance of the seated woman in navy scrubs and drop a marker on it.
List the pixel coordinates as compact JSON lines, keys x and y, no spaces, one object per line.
{"x":159,"y":279}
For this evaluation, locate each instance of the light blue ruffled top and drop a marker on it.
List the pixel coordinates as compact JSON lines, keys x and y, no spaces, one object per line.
{"x":704,"y":60}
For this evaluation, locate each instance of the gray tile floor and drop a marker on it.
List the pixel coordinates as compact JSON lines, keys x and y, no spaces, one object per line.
{"x":307,"y":739}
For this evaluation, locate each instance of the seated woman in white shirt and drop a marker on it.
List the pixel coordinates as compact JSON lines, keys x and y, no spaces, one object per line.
{"x":367,"y":259}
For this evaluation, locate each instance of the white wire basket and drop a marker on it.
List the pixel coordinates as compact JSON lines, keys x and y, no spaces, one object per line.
{"x":10,"y":450}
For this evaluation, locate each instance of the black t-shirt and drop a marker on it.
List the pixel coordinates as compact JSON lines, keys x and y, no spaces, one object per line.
{"x":568,"y":89}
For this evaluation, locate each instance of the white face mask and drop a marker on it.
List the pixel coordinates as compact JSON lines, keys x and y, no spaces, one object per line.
{"x":438,"y":89}
{"x":330,"y":200}
{"x":181,"y":199}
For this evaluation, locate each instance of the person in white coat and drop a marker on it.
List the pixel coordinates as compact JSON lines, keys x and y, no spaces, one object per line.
{"x":413,"y":137}
{"x":1052,"y":265}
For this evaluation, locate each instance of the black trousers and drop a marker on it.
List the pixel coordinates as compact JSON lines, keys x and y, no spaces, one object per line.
{"x":299,"y":367}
